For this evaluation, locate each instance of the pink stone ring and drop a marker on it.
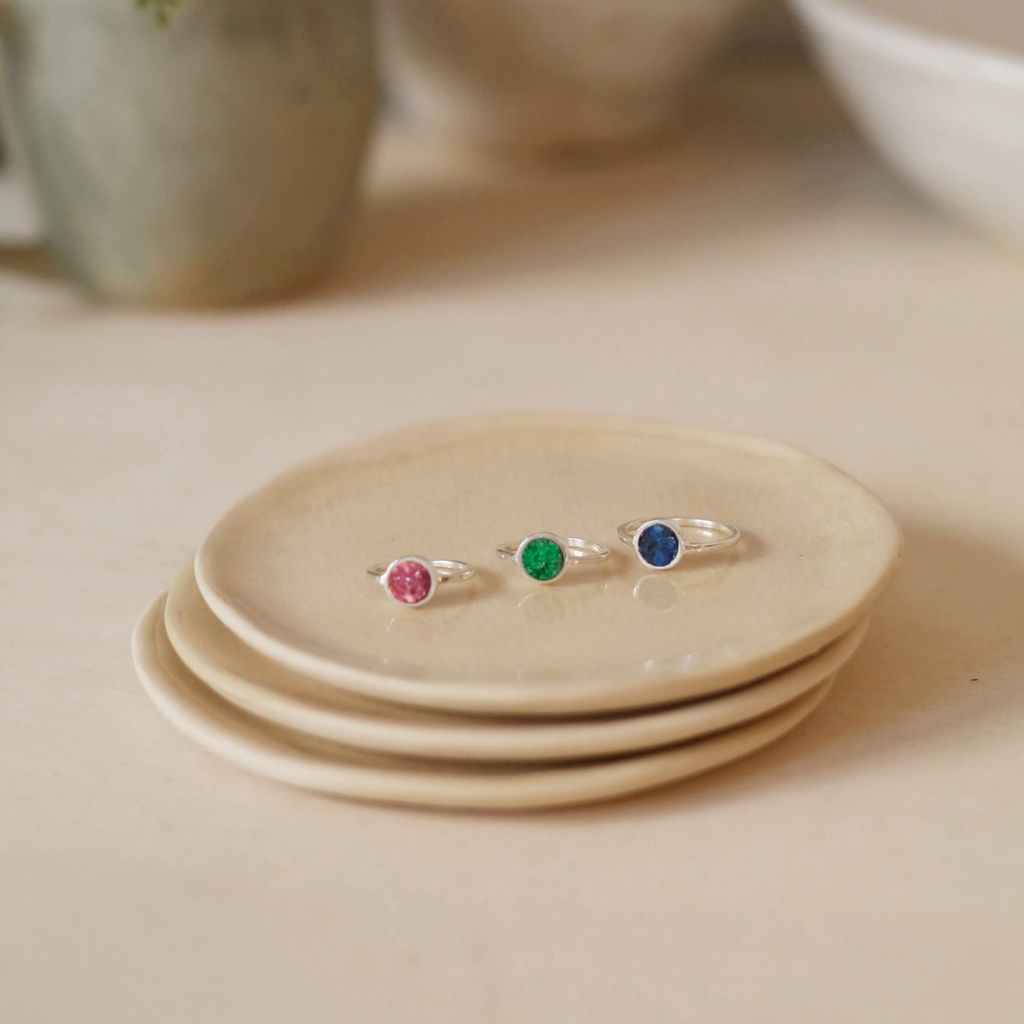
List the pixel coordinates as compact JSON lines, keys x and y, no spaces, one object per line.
{"x":412,"y":581}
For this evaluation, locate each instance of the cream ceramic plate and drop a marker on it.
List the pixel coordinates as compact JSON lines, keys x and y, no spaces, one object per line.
{"x":286,"y":757}
{"x":286,"y":568}
{"x":272,"y":692}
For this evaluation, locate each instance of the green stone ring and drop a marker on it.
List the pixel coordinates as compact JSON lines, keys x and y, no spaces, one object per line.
{"x":543,"y":557}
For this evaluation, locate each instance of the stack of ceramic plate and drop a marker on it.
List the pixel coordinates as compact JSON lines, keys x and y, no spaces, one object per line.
{"x":277,"y":651}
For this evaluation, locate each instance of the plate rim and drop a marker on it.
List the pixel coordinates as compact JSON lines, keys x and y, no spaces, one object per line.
{"x":454,"y":737}
{"x":544,"y":787}
{"x":531,"y":697}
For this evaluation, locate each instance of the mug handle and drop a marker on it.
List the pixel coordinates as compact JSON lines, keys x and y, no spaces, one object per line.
{"x":31,"y":257}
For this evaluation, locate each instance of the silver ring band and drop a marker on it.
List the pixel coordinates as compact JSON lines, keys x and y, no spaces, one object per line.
{"x":661,"y":543}
{"x":580,"y":550}
{"x":544,"y":557}
{"x":448,"y":570}
{"x":412,"y":581}
{"x":725,"y":536}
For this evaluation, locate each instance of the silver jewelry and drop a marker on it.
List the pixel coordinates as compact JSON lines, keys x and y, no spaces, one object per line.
{"x":659,"y":543}
{"x":544,"y":557}
{"x":412,"y":581}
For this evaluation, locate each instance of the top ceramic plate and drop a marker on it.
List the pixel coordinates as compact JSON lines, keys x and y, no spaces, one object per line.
{"x":286,"y":568}
{"x":270,"y":691}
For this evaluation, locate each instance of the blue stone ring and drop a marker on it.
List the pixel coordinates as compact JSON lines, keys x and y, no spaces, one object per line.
{"x":660,"y":543}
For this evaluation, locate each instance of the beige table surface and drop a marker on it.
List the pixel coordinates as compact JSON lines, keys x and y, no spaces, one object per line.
{"x":769,"y":277}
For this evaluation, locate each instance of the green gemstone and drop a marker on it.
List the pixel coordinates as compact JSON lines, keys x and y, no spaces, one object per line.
{"x":542,"y":559}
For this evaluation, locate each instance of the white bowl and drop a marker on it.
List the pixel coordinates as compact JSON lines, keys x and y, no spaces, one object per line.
{"x":549,"y":74}
{"x":938,"y":87}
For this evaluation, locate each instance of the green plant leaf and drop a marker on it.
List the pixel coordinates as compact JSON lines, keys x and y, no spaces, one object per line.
{"x":161,"y":9}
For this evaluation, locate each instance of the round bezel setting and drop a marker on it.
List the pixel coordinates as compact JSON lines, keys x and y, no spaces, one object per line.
{"x":557,"y":541}
{"x":393,"y":567}
{"x":671,"y":527}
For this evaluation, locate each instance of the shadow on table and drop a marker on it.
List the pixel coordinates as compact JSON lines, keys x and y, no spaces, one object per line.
{"x":740,"y":168}
{"x":923,"y":675}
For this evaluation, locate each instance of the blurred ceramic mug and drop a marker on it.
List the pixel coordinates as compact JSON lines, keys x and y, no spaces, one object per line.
{"x":191,"y":151}
{"x":549,"y":74}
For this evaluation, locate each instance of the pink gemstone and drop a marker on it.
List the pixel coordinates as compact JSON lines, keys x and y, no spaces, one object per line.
{"x":409,"y":582}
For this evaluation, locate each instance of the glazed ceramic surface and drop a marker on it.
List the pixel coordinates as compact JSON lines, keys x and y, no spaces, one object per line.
{"x":286,"y":568}
{"x":210,"y":159}
{"x":550,"y":74}
{"x":300,"y":761}
{"x":939,"y":88}
{"x":276,"y":694}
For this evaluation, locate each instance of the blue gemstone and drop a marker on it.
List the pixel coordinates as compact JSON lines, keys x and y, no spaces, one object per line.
{"x":658,"y":546}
